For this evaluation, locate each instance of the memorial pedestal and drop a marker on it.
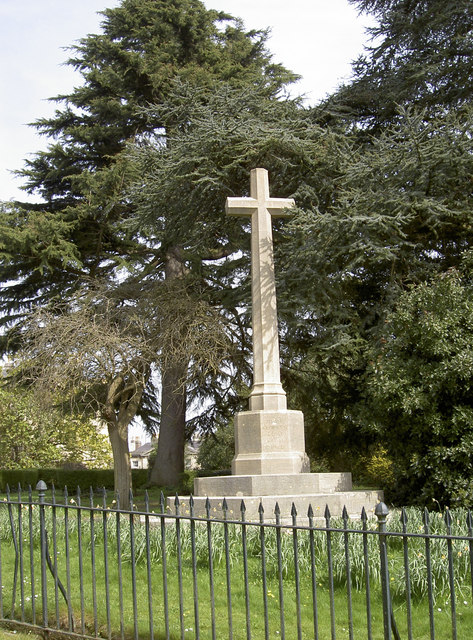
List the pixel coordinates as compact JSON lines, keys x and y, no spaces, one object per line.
{"x":269,"y":442}
{"x":270,"y":466}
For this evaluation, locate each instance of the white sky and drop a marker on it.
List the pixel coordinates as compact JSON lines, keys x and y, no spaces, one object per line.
{"x":315,"y":38}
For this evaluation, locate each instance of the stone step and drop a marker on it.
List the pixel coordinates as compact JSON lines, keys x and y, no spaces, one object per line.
{"x":273,"y":484}
{"x":354,"y":501}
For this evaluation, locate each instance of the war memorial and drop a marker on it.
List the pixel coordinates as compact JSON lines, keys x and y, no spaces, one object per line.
{"x":270,"y":464}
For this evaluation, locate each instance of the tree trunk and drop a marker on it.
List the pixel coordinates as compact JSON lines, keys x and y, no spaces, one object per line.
{"x":121,"y":462}
{"x":169,"y":462}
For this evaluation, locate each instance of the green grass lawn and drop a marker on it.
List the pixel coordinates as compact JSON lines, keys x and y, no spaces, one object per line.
{"x":262,"y":603}
{"x":13,"y":634}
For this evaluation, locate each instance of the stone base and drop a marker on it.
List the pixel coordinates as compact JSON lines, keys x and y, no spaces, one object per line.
{"x":301,"y":489}
{"x":270,"y":466}
{"x":354,"y":501}
{"x":269,"y":442}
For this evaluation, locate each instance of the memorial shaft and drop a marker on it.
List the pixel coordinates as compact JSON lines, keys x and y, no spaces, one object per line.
{"x":267,"y":391}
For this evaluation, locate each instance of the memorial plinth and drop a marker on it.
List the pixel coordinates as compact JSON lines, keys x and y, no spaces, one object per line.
{"x":269,"y":442}
{"x":270,"y":463}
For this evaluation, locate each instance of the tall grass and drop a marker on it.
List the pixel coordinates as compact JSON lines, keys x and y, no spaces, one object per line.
{"x":99,"y":531}
{"x":416,"y":545}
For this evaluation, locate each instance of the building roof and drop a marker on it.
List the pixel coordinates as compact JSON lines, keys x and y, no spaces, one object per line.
{"x":143,"y":451}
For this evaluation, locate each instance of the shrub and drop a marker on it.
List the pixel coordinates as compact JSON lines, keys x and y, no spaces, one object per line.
{"x":420,"y":392}
{"x":217,"y":449}
{"x":60,"y":478}
{"x":376,"y":468}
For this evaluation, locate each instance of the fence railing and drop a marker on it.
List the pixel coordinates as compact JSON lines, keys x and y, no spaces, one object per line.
{"x":81,"y":566}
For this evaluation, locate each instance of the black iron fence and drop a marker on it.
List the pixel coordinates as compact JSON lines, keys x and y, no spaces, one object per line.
{"x":81,"y":566}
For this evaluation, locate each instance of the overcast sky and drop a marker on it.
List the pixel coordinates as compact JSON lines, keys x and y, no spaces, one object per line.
{"x":317,"y":39}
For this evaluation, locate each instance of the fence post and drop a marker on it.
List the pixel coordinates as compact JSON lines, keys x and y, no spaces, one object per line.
{"x":381,"y":512}
{"x":41,"y":489}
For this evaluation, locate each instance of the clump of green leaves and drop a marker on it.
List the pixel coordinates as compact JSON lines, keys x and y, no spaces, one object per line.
{"x":420,"y":392}
{"x":217,"y":449}
{"x":33,"y":437}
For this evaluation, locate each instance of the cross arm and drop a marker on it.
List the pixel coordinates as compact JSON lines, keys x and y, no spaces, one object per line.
{"x":278,"y":207}
{"x":240,"y":206}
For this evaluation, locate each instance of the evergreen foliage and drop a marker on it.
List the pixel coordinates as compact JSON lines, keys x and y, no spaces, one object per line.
{"x":209,"y":157}
{"x":84,"y":479}
{"x":78,"y":230}
{"x":420,"y":57}
{"x":398,"y":214}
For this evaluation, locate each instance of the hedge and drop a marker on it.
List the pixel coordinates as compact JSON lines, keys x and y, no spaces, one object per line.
{"x":83,"y":478}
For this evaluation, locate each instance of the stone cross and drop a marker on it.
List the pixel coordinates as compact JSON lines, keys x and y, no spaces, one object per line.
{"x":267,"y":392}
